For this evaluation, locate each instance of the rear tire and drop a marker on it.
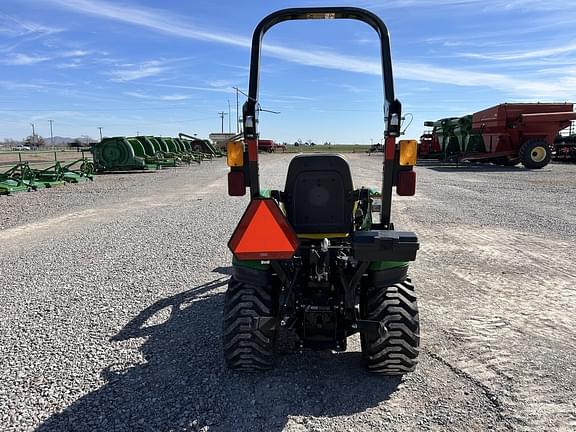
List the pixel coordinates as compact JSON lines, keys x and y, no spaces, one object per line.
{"x":396,"y":307}
{"x":535,"y":154}
{"x":247,"y":348}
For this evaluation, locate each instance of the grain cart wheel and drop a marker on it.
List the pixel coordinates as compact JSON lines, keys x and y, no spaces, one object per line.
{"x":535,"y":154}
{"x":245,"y":347}
{"x":395,"y":306}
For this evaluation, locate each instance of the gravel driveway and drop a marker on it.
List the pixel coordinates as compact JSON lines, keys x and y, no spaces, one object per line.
{"x":111,"y":296}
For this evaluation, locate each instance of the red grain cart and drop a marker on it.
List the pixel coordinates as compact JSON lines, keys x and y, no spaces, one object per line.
{"x":270,"y":146}
{"x":429,"y":146}
{"x":523,"y":132}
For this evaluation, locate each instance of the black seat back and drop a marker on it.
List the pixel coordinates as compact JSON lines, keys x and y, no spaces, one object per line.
{"x":318,"y":194}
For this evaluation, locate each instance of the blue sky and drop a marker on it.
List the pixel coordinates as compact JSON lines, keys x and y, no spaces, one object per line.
{"x":167,"y":67}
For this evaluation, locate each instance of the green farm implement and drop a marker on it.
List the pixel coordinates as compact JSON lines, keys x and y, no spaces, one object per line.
{"x":172,"y":150}
{"x":444,"y":131}
{"x":189,"y":148}
{"x":121,"y":154}
{"x":18,"y":178}
{"x":200,"y":145}
{"x":144,"y":153}
{"x":51,"y":176}
{"x":154,"y":151}
{"x":38,"y":171}
{"x":78,"y":171}
{"x":468,"y":140}
{"x":177,"y":148}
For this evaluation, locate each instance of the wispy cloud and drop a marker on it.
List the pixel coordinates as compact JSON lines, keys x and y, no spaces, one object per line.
{"x":367,"y":41}
{"x":13,"y":27}
{"x":154,"y":19}
{"x":11,"y":85}
{"x":135,"y":72}
{"x":75,"y":59}
{"x":23,"y":59}
{"x":174,"y":97}
{"x":562,"y":87}
{"x":168,"y":98}
{"x":474,"y":40}
{"x":75,"y":64}
{"x":522,"y":55}
{"x":76,"y":53}
{"x":197,"y":88}
{"x":222,"y":83}
{"x":349,"y":87}
{"x":163,"y":22}
{"x":299,"y":98}
{"x":19,"y":59}
{"x":471,"y":5}
{"x":233,"y":66}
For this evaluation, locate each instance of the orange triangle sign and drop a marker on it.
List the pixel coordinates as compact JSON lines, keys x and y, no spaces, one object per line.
{"x":263,"y":233}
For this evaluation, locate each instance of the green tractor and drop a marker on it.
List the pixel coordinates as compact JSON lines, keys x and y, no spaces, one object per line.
{"x":311,"y":267}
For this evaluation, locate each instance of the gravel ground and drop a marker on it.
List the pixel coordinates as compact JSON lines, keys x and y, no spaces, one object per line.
{"x":112,"y":292}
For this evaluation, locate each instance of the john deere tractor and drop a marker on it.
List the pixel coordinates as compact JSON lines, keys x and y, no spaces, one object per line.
{"x":311,"y":266}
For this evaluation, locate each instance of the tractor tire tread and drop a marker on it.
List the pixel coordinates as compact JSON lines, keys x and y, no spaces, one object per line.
{"x":396,"y":307}
{"x":247,"y":348}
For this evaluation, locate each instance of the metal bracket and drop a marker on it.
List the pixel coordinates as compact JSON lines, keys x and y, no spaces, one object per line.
{"x":350,"y":298}
{"x":288,"y":281}
{"x":264,"y":323}
{"x":373,"y":329}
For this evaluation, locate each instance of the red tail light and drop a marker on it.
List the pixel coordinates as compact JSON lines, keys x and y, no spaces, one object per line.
{"x":406,"y":183}
{"x":236,"y":183}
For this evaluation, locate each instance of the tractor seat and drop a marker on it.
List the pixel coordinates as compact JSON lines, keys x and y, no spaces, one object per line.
{"x":318,"y":194}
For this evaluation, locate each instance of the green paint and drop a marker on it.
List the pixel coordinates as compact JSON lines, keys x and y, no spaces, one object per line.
{"x":253,"y":264}
{"x":387,"y":265}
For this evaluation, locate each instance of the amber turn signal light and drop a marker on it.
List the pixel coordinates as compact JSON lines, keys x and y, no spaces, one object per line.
{"x":235,"y":154}
{"x":408,"y":152}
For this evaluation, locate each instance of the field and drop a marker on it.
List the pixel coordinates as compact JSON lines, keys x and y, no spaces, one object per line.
{"x":40,"y":159}
{"x":335,"y":148}
{"x":112,"y":292}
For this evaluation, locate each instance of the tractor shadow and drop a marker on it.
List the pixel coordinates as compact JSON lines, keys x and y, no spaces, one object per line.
{"x":183,"y":385}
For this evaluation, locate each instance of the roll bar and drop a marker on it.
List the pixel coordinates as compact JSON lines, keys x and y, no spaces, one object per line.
{"x":250,"y":107}
{"x":392,"y":107}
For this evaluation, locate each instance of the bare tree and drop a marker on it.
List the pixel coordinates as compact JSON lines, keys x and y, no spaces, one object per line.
{"x":34,"y":141}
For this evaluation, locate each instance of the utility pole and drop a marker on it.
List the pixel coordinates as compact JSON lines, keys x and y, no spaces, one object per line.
{"x":33,"y":134}
{"x":51,"y":134}
{"x":221,"y":114}
{"x":100,"y":129}
{"x":229,"y":118}
{"x":237,"y":111}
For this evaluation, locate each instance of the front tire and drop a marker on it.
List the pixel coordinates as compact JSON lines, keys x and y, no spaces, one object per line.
{"x":396,"y":307}
{"x":535,"y":154}
{"x":245,"y":347}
